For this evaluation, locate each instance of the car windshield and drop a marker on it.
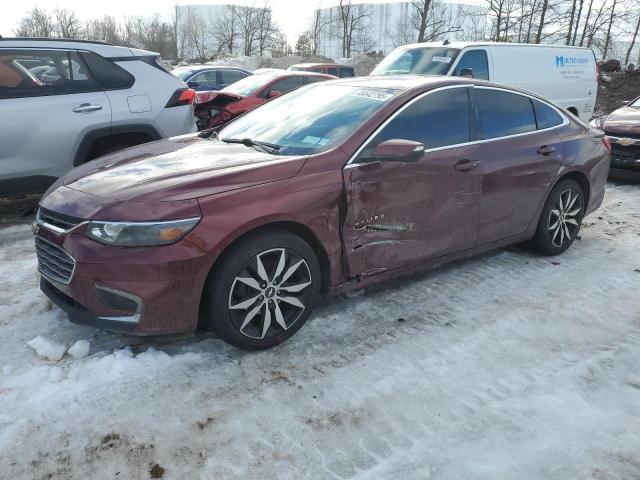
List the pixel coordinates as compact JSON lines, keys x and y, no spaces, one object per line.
{"x":636,"y":103}
{"x":249,"y":85}
{"x":311,"y":119}
{"x":420,"y":61}
{"x":182,"y":73}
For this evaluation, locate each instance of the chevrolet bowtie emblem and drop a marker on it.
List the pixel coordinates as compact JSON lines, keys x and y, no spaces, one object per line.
{"x":626,"y":141}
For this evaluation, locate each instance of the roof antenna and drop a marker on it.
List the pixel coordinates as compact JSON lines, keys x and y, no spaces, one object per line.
{"x":446,"y":42}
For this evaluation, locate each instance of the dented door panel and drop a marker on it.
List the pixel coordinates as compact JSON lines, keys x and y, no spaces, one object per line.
{"x":400,"y":213}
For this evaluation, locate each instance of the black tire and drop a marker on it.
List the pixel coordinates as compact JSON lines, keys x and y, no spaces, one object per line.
{"x":243,"y":325}
{"x":561,"y":218}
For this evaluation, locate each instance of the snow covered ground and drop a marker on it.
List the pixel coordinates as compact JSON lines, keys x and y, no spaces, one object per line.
{"x":507,"y":366}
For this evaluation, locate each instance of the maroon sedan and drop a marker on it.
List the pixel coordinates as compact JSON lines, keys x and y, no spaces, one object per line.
{"x":213,"y":109}
{"x":623,"y":129}
{"x":338,"y":184}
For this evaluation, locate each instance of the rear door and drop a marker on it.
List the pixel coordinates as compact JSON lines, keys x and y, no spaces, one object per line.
{"x":400,"y":213}
{"x":520,"y":157}
{"x":48,"y":101}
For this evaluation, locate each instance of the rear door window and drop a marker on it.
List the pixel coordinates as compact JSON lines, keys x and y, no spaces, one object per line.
{"x":546,"y":117}
{"x":107,"y":73}
{"x":476,"y":61}
{"x":438,"y":119}
{"x":504,"y":113}
{"x":32,"y":73}
{"x":231,"y":76}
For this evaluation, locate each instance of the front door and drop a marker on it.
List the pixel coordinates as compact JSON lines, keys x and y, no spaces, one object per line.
{"x":48,"y":101}
{"x":400,"y":213}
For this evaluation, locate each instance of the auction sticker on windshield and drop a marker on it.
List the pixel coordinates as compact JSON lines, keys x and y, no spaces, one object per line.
{"x":441,"y":59}
{"x":374,"y":94}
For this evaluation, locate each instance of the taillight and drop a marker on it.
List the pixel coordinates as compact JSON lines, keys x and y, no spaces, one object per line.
{"x":182,"y":96}
{"x":607,"y":143}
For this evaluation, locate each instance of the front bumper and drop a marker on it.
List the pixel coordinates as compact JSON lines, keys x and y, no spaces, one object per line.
{"x":625,"y":153}
{"x":141,"y":291}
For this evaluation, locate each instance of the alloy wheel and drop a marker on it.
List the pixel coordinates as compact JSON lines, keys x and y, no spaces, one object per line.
{"x":270,"y":293}
{"x":564,"y":219}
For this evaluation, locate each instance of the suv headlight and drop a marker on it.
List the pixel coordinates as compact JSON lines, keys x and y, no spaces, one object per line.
{"x":598,"y":122}
{"x":140,"y":234}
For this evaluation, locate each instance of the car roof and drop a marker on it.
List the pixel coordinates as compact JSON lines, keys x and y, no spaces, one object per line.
{"x":102,"y":48}
{"x":461,"y":45}
{"x":307,"y":65}
{"x":292,"y":73}
{"x":193,"y":68}
{"x":422,"y":83}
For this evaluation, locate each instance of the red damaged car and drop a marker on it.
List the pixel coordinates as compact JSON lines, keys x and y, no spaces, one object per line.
{"x":335,"y":185}
{"x":213,"y":109}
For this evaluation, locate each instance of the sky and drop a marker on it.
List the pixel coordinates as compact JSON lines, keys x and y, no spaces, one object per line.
{"x":293,"y":16}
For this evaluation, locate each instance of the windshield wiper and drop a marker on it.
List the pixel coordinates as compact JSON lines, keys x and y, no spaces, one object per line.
{"x":271,"y":148}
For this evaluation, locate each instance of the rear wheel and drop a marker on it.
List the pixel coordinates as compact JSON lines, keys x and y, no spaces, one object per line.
{"x":561,"y":218}
{"x":263,"y":291}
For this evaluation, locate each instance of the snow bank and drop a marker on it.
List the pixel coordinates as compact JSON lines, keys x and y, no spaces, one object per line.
{"x":48,"y":349}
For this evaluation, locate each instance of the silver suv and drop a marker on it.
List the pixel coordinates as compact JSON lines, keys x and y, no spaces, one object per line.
{"x":63,"y":103}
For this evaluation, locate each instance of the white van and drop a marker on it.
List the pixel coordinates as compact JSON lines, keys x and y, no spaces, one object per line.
{"x":566,"y":75}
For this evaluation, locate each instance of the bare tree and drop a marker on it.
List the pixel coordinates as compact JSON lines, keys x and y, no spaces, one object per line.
{"x":105,"y":29}
{"x":224,"y":30}
{"x":67,"y":24}
{"x":607,"y":41}
{"x":353,"y":22}
{"x":267,"y":29}
{"x":37,"y":23}
{"x":633,"y":41}
{"x":316,"y":31}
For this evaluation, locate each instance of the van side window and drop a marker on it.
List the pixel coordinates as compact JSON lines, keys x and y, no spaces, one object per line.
{"x":546,"y":117}
{"x":504,"y":113}
{"x":476,"y":60}
{"x":437,"y":120}
{"x":332,"y":71}
{"x":35,"y":73}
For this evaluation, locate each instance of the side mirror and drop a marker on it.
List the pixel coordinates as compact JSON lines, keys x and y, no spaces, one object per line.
{"x":467,"y":72}
{"x":193,"y":84}
{"x":273,"y":94}
{"x":398,"y":150}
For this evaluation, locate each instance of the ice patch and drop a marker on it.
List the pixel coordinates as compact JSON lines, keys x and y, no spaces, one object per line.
{"x":56,"y":374}
{"x":80,"y":349}
{"x":48,"y":349}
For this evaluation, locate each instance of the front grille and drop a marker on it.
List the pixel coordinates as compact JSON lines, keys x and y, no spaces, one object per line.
{"x":623,"y":155}
{"x":58,"y":220}
{"x":53,"y":261}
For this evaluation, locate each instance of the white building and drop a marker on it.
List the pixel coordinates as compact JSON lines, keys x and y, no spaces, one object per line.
{"x":388,"y":25}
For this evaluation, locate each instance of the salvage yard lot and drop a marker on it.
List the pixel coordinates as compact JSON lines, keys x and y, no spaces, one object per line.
{"x":505,"y":366}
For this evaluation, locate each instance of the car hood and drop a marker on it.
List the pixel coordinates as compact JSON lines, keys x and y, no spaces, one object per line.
{"x":212,"y":98}
{"x":181,"y":168}
{"x":624,"y":121}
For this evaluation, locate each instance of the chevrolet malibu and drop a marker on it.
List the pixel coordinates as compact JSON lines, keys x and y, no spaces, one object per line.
{"x":338,"y":184}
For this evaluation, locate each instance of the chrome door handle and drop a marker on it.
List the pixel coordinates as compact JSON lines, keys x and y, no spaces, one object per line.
{"x":466,"y":165}
{"x":546,"y":150}
{"x":87,"y":108}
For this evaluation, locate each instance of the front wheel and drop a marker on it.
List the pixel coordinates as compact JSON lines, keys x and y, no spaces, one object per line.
{"x":561,"y":218}
{"x":263,"y":291}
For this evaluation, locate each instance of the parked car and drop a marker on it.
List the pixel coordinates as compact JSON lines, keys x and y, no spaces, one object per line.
{"x":333,"y":186}
{"x":214,"y":109}
{"x":566,"y":75}
{"x":622,"y":127}
{"x":206,"y":77}
{"x":334,"y":69}
{"x":63,"y":103}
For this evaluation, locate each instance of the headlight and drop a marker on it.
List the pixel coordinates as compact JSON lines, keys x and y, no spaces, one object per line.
{"x":140,"y":234}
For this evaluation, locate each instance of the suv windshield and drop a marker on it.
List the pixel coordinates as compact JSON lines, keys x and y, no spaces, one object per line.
{"x":308,"y":120}
{"x":421,"y":61}
{"x":249,"y":85}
